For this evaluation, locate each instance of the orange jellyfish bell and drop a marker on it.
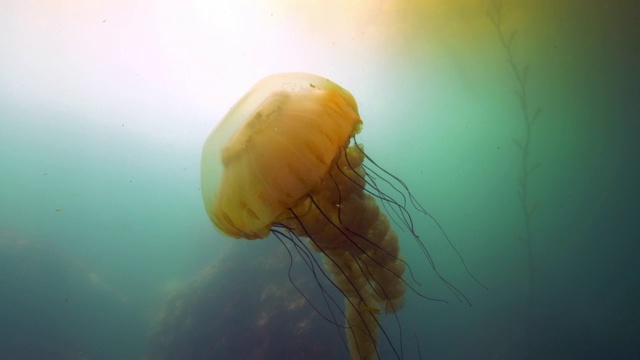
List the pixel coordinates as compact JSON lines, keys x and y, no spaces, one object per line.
{"x":272,"y":148}
{"x":283,"y":158}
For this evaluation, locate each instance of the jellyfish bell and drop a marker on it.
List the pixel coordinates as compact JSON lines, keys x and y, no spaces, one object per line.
{"x":284,"y":160}
{"x":272,"y":147}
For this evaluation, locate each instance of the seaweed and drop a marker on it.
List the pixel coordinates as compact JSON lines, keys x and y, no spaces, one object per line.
{"x":527,"y":166}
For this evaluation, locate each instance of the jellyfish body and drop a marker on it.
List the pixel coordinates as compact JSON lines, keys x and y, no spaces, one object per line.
{"x":283,"y":156}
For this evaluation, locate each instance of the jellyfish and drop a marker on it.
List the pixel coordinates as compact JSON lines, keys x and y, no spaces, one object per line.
{"x":284,"y":160}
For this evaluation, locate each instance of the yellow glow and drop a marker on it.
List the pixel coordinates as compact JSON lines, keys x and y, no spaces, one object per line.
{"x":194,"y":58}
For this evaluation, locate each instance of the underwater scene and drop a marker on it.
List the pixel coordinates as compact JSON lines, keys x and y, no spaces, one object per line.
{"x":281,"y":179}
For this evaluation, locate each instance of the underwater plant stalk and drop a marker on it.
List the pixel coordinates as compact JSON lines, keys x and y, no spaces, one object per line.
{"x":528,"y":208}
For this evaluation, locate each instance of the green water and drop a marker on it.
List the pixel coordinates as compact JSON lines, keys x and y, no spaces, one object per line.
{"x":102,"y":124}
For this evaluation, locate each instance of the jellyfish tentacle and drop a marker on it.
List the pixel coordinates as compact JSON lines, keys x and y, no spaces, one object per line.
{"x":398,"y":259}
{"x":309,"y":260}
{"x":414,"y":201}
{"x":340,"y":273}
{"x":323,"y":291}
{"x":391,"y":211}
{"x":360,"y":248}
{"x":368,"y":277}
{"x":302,"y":248}
{"x":416,"y":204}
{"x":406,"y":217}
{"x":394,"y":311}
{"x":327,"y":228}
{"x":364,"y":238}
{"x":408,"y":224}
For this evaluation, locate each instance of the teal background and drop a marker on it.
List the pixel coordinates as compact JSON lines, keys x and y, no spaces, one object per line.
{"x":101,"y":217}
